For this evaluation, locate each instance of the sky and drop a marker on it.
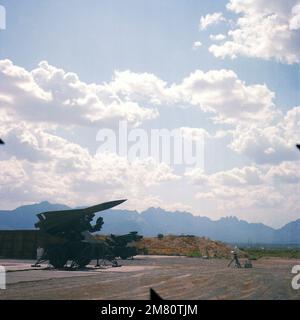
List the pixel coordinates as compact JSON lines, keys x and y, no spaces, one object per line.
{"x":225,"y":72}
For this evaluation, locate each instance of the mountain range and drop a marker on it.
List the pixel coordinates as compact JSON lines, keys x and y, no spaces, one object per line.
{"x":155,"y":221}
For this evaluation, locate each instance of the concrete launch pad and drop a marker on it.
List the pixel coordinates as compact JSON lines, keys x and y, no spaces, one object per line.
{"x":171,"y":277}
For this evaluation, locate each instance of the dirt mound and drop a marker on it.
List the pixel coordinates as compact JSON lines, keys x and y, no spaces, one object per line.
{"x":184,"y":246}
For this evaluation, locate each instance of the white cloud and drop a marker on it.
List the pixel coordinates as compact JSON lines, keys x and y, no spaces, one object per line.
{"x":257,"y":193}
{"x":194,"y":133}
{"x":197,"y":45}
{"x":41,"y":162}
{"x":222,"y":93}
{"x":286,"y":172}
{"x":175,"y":206}
{"x":219,"y":92}
{"x":235,"y":177}
{"x":48,"y":94}
{"x":263,"y":29}
{"x":217,"y":37}
{"x":295,"y":19}
{"x":144,"y":88}
{"x":270,"y":143}
{"x":256,"y":125}
{"x":38,"y":165}
{"x":210,"y":19}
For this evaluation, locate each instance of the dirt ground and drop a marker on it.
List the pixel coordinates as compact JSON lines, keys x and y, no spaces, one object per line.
{"x":171,"y":277}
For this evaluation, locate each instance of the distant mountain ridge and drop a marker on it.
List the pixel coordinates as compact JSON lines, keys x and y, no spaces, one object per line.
{"x":155,"y":220}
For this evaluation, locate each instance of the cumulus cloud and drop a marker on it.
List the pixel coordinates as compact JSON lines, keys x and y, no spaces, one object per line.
{"x":144,"y":88}
{"x":217,"y":37}
{"x":211,"y":19}
{"x":194,"y":133}
{"x":219,"y":92}
{"x":52,"y":95}
{"x":270,"y":143}
{"x":295,"y":19}
{"x":286,"y":172}
{"x":235,"y":177}
{"x":41,"y":162}
{"x":222,"y":93}
{"x":258,"y":129}
{"x":197,"y":45}
{"x":268,"y":192}
{"x":263,"y":30}
{"x":40,"y":165}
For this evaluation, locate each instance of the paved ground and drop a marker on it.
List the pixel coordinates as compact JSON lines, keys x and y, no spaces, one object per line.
{"x":171,"y":277}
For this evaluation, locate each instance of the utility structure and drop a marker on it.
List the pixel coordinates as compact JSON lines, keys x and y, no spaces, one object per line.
{"x":235,"y":258}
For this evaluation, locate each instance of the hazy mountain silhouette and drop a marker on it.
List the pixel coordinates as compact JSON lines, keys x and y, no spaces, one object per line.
{"x":155,"y":220}
{"x":24,"y":217}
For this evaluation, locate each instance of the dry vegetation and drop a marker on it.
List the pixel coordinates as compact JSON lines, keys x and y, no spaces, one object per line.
{"x":184,"y":246}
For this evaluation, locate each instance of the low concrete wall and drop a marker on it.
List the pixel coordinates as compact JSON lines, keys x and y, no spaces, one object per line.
{"x":19,"y":243}
{"x":22,"y":244}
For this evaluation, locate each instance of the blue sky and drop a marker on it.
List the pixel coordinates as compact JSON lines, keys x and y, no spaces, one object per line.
{"x":93,"y":39}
